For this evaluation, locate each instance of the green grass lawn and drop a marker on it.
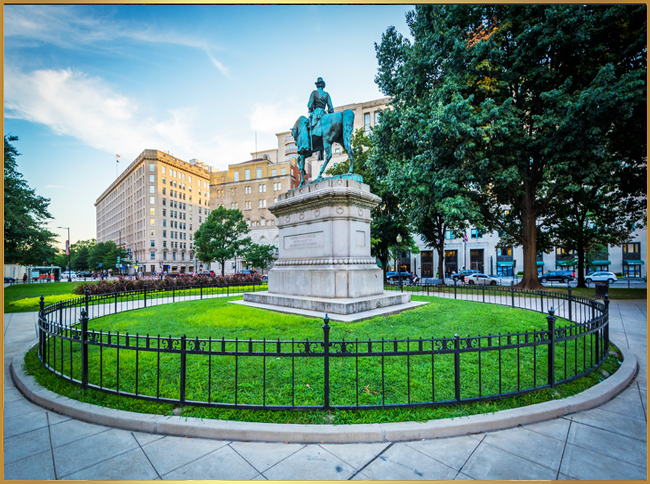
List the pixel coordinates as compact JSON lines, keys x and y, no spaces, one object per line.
{"x":284,"y":380}
{"x":20,"y":298}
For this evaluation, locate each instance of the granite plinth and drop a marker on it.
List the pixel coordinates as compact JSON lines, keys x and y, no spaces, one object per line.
{"x":329,"y":305}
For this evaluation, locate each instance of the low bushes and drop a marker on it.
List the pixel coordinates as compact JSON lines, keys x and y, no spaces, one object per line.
{"x":125,"y":284}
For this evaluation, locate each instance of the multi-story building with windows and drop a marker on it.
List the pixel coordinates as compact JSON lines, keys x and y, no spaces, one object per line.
{"x":153,"y":208}
{"x":252,"y":187}
{"x":479,"y":252}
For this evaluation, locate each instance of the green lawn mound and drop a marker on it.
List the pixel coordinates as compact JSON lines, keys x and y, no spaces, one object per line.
{"x":300,"y":381}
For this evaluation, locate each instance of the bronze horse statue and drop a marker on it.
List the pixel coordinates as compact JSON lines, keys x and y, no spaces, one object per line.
{"x":334,"y":128}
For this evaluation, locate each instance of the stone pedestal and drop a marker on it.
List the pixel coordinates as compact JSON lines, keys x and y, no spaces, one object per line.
{"x":324,"y":231}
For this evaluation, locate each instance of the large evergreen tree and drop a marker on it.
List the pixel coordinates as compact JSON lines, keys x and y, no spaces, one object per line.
{"x":26,"y":240}
{"x":516,"y":99}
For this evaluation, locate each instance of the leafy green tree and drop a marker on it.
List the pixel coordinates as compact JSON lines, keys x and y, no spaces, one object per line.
{"x":388,"y":219}
{"x":26,"y":240}
{"x":221,"y":237}
{"x":80,"y":252}
{"x":602,"y":210}
{"x":259,"y":255}
{"x":521,"y":96}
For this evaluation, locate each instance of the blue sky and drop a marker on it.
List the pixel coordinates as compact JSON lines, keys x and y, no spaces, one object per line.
{"x":84,"y":83}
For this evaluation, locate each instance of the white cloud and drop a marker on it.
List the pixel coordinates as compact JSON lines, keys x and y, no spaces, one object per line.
{"x":62,"y":25}
{"x":74,"y":104}
{"x":275,"y":118}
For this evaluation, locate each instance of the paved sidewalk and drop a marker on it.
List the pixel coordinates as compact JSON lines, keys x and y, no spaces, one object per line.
{"x":609,"y":442}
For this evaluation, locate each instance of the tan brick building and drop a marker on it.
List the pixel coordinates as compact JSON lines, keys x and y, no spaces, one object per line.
{"x":153,"y":208}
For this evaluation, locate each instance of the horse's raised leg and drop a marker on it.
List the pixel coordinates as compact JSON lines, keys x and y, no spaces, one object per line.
{"x":301,"y":166}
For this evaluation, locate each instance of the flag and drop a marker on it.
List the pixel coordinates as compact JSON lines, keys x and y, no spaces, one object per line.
{"x":67,"y":247}
{"x":116,"y":158}
{"x":465,"y":236}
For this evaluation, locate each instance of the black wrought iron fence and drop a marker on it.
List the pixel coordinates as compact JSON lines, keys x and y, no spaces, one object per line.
{"x":306,"y":375}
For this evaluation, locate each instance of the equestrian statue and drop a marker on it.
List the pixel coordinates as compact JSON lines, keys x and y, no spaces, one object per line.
{"x":321,"y":130}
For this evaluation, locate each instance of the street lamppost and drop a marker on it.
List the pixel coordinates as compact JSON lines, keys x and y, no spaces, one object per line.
{"x":67,"y":249}
{"x":399,"y":264}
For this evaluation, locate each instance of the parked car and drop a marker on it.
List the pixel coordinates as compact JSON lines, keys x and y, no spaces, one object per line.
{"x":390,"y":274}
{"x":265,"y":277}
{"x":70,"y":274}
{"x":482,"y":279}
{"x":85,"y":274}
{"x":426,"y":281}
{"x":458,"y":275}
{"x":9,"y":280}
{"x":561,"y":276}
{"x":394,"y":280}
{"x":601,"y":276}
{"x":246,"y":271}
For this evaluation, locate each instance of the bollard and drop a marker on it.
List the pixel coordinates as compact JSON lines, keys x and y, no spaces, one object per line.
{"x":551,"y":347}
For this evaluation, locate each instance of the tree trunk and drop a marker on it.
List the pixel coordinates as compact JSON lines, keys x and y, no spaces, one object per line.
{"x":441,"y":262}
{"x":581,"y":264}
{"x":223,"y":268}
{"x":529,"y":232}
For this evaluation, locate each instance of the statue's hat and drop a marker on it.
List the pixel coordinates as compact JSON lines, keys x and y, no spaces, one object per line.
{"x":320,"y":81}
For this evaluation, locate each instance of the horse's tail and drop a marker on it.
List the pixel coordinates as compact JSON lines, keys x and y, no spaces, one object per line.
{"x":300,"y":136}
{"x":348,"y":130}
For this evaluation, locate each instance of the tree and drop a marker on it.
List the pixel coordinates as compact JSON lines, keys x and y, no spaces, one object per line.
{"x":388,"y":220}
{"x":26,"y":240}
{"x":428,"y":187}
{"x":602,"y":210}
{"x":259,"y":255}
{"x":221,"y":237}
{"x":521,"y":95}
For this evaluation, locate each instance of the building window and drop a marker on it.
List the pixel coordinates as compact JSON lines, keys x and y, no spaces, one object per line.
{"x":247,"y":175}
{"x":163,"y":169}
{"x":150,"y":178}
{"x":449,"y":235}
{"x":152,"y":233}
{"x":236,"y":175}
{"x":189,"y":179}
{"x":366,"y":123}
{"x":153,"y":255}
{"x":273,"y":172}
{"x":152,"y":200}
{"x":199,"y":219}
{"x":164,"y":233}
{"x":259,"y":173}
{"x":284,"y":171}
{"x":376,"y":118}
{"x":151,"y":189}
{"x":164,"y":255}
{"x":476,"y":234}
{"x":150,"y":166}
{"x":164,"y":191}
{"x":153,"y":243}
{"x":507,"y":252}
{"x":164,"y":212}
{"x":164,"y":180}
{"x":152,"y":211}
{"x":152,"y":221}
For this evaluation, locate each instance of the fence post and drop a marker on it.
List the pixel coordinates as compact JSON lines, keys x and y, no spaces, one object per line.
{"x":201,"y":286}
{"x":606,"y":331}
{"x":551,"y":347}
{"x":570,"y":309}
{"x":84,"y":349}
{"x":512,"y":292}
{"x":541,"y":299}
{"x":145,"y":294}
{"x":455,"y":281}
{"x":483,"y":292}
{"x":41,"y":317}
{"x":87,"y":298}
{"x":457,"y":367}
{"x":116,"y":301}
{"x":326,"y":366}
{"x":182,"y":389}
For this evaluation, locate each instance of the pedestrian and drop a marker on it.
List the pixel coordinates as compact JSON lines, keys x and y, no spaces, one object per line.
{"x":25,"y":278}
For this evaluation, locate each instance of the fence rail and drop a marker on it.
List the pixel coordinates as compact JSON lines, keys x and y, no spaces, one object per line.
{"x":322,"y":374}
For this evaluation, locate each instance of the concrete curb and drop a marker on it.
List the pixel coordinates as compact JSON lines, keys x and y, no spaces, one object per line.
{"x":265,"y":432}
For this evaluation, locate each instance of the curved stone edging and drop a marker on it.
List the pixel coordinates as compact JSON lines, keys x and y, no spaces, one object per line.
{"x":268,"y":432}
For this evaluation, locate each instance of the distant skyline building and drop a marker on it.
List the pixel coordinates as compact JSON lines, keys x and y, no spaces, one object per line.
{"x":153,"y":208}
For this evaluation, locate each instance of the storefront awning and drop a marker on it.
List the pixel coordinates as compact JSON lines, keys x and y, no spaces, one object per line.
{"x":505,"y":264}
{"x":567,"y":263}
{"x":601,"y":263}
{"x":540,"y":263}
{"x":632,"y":262}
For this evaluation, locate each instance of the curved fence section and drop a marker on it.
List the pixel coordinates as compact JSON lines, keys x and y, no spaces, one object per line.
{"x":283,"y":374}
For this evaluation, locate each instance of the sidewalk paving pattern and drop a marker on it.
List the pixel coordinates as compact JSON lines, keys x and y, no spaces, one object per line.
{"x":606,"y":443}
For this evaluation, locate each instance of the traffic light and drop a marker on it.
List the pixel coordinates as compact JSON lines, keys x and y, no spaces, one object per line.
{"x":119,"y":259}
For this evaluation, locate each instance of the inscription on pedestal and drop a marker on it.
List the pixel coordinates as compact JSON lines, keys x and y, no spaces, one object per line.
{"x":303,"y":241}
